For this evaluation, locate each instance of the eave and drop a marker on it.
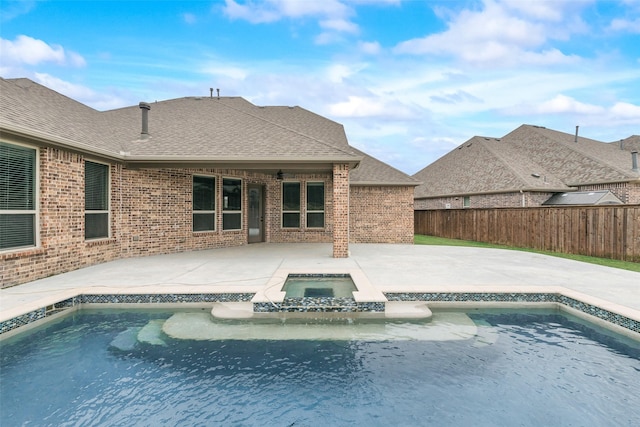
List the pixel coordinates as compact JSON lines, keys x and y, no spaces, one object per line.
{"x":26,"y":135}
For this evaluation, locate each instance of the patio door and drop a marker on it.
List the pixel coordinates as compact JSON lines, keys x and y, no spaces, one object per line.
{"x":256,"y":213}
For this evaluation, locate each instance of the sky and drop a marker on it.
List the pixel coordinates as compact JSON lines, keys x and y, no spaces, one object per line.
{"x":410,"y":80}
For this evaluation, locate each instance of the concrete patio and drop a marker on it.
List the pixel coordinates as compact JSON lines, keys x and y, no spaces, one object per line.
{"x":386,"y":268}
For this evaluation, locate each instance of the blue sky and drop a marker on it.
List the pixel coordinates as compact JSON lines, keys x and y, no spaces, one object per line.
{"x":409,"y":80}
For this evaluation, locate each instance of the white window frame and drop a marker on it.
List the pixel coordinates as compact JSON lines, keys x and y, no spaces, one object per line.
{"x":35,"y":212}
{"x":108,"y":210}
{"x":202,"y":212}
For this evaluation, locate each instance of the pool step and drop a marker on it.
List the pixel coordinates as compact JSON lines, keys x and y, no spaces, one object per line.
{"x":232,"y":310}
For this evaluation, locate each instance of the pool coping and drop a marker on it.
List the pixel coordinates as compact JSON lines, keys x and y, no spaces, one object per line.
{"x":610,"y":315}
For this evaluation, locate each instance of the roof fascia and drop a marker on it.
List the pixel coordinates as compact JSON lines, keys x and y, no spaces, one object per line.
{"x":267,"y":163}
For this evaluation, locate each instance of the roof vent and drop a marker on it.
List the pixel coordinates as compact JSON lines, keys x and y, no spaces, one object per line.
{"x":576,"y":138}
{"x":634,"y":161}
{"x":144,"y":107}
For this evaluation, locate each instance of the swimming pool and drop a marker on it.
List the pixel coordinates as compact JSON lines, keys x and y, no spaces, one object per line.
{"x":533,"y":368}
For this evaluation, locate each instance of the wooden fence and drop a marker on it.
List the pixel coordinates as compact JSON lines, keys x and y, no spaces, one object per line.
{"x":600,"y":231}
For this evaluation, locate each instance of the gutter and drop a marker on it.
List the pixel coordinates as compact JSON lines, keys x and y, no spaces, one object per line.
{"x":519,"y":190}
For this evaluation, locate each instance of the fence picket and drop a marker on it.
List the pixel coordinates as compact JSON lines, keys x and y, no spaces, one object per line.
{"x":602,"y":231}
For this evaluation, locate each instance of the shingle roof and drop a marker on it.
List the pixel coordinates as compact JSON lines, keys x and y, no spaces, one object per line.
{"x":530,"y":158}
{"x":227,"y":130}
{"x":213,"y":128}
{"x":601,"y":197}
{"x":631,"y":143}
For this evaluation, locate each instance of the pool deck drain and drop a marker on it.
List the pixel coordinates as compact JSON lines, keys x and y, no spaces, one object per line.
{"x":255,"y":273}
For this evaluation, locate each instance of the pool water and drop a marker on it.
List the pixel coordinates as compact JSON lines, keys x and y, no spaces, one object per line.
{"x":321,"y":286}
{"x":525,"y":369}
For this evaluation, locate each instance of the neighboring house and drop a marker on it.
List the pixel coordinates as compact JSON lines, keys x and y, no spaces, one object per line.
{"x":79,"y":186}
{"x":526,"y":168}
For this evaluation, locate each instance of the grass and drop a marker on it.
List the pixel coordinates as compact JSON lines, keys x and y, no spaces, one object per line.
{"x":440,"y":241}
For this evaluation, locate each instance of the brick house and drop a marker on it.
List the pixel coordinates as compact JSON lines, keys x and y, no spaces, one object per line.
{"x":527,"y":167}
{"x":80,"y":187}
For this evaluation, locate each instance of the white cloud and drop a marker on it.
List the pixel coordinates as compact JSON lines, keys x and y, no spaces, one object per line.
{"x":251,"y":13}
{"x":626,"y":25}
{"x":275,"y":10}
{"x":501,"y":34}
{"x":333,"y":16}
{"x":371,"y":48}
{"x":625,"y":110}
{"x":562,"y":104}
{"x":71,"y":90}
{"x":99,"y":101}
{"x":370,"y":106}
{"x":337,"y":73}
{"x":13,"y":9}
{"x":545,"y":10}
{"x":29,"y":51}
{"x":553,"y":110}
{"x":340,"y":25}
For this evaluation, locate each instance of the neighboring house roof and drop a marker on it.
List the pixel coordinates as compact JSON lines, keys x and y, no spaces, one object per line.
{"x":601,"y":197}
{"x":530,"y":158}
{"x":194,"y":131}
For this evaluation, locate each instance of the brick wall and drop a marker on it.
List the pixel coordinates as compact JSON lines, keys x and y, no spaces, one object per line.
{"x":151,"y":214}
{"x":499,"y":200}
{"x":61,"y":220}
{"x":627,"y":192}
{"x":381,"y":214}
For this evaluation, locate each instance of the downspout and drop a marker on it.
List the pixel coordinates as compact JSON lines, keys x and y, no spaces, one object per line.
{"x":349,"y":214}
{"x":524,"y":204}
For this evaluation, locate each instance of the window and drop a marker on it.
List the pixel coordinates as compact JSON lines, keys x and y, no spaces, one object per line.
{"x":466,"y":201}
{"x":17,"y":196}
{"x":290,"y":205}
{"x":315,"y":204}
{"x":96,"y":200}
{"x":232,"y":204}
{"x":204,"y":203}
